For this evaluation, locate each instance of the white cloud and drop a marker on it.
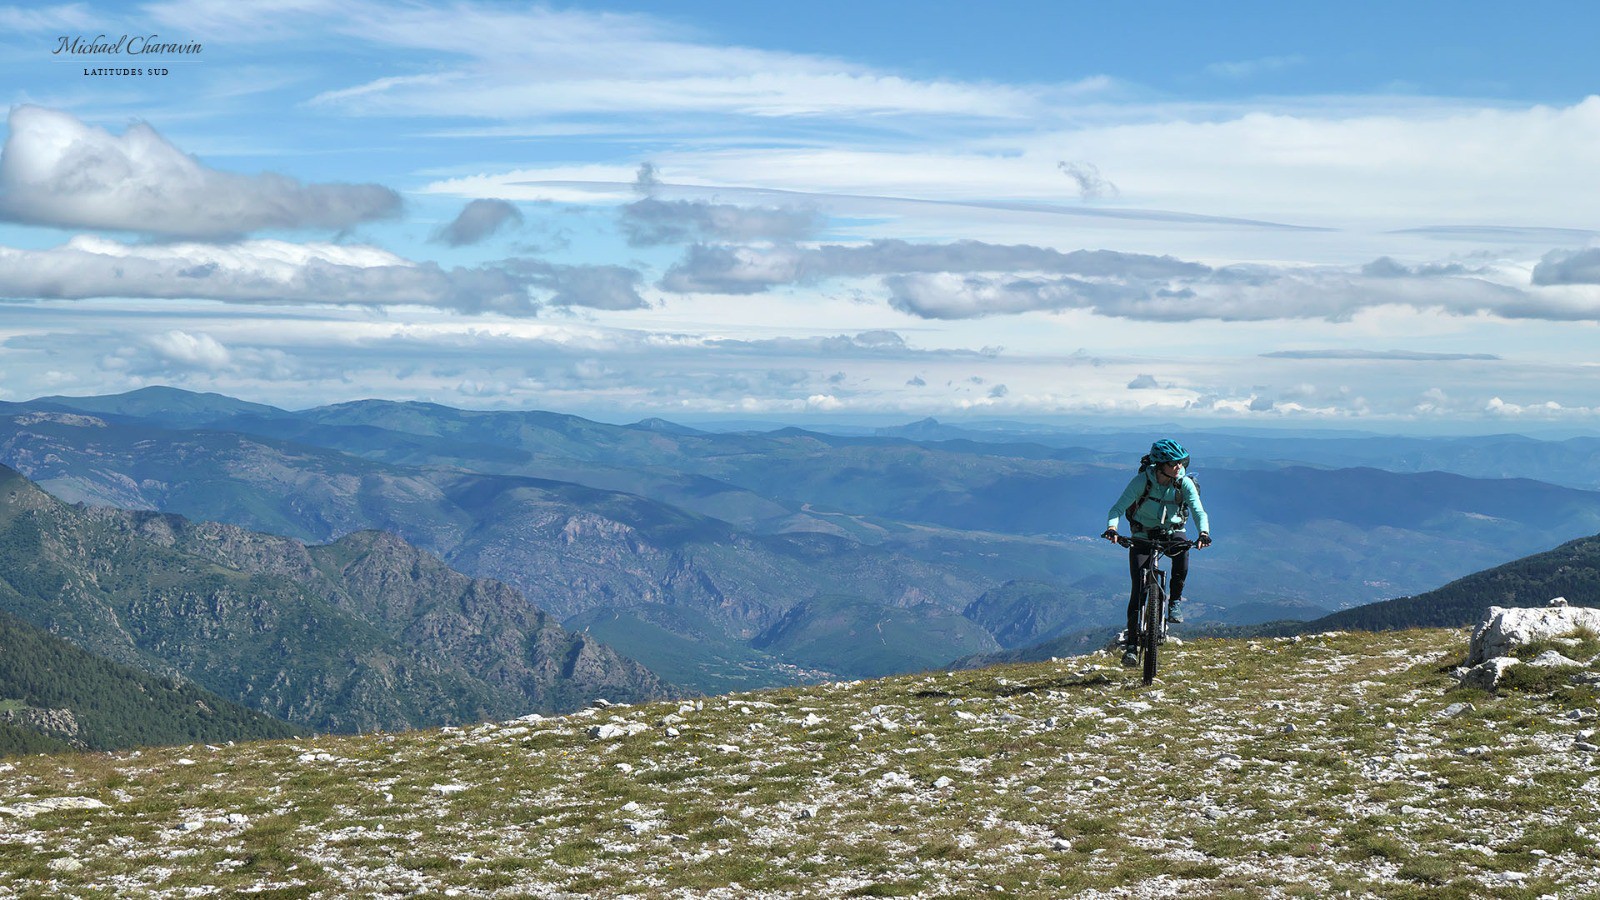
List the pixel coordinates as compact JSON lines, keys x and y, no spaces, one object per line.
{"x":650,"y":222}
{"x":1549,"y":409}
{"x":1091,"y":184}
{"x":1392,"y":355}
{"x":279,"y":272}
{"x":1251,"y":68}
{"x":1419,"y":165}
{"x":732,"y":269}
{"x":477,"y":221}
{"x":199,"y":350}
{"x":70,"y":16}
{"x":60,"y":172}
{"x":575,"y":62}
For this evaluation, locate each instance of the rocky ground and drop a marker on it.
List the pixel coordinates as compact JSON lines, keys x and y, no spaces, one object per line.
{"x":1334,"y":765}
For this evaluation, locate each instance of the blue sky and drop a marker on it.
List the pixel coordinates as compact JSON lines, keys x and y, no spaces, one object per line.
{"x":1365,"y":216}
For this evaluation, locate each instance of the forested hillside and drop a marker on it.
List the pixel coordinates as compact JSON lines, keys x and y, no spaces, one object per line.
{"x":54,"y":696}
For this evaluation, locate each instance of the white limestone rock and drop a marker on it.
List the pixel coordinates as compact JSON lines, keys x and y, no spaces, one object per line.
{"x":1487,"y":674}
{"x":1507,"y":628}
{"x":611,"y":731}
{"x":1551,"y":659}
{"x":49,"y":804}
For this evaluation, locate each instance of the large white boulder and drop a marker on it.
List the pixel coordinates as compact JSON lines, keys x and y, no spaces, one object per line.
{"x":1507,"y":628}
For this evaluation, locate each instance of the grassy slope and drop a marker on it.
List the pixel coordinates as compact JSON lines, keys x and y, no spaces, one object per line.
{"x":1037,"y":780}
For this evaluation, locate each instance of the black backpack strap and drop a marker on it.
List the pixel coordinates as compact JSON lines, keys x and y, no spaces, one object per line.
{"x":1134,"y":506}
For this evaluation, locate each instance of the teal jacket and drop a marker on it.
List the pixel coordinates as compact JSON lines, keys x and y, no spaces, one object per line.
{"x":1163,"y":506}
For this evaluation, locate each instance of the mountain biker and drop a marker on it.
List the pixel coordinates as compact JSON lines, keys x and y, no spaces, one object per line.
{"x":1156,"y":502}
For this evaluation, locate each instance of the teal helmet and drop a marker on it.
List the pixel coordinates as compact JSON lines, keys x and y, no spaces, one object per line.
{"x":1165,"y":451}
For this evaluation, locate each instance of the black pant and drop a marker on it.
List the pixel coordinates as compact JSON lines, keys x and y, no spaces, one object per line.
{"x":1137,"y":555}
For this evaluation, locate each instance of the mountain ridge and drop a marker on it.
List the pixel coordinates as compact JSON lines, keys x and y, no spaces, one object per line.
{"x":366,"y":633}
{"x":670,"y":541}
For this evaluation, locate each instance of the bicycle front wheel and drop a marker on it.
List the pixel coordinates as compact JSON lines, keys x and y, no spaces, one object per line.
{"x":1155,"y":616}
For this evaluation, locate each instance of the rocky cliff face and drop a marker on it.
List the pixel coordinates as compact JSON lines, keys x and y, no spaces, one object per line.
{"x":57,"y":723}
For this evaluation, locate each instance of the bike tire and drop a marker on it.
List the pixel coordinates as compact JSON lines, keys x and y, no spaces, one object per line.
{"x":1155,"y":619}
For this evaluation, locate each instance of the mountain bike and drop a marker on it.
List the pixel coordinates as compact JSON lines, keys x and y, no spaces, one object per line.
{"x":1153,"y":612}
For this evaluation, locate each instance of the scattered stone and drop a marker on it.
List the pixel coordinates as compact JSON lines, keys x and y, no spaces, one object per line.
{"x":1455,"y":709}
{"x":50,"y":804}
{"x":448,"y":789}
{"x":812,"y":720}
{"x":728,"y":748}
{"x":65,"y":864}
{"x":806,"y":812}
{"x":613,"y":730}
{"x":1551,"y":659}
{"x":1289,"y":728}
{"x":1061,"y":844}
{"x":944,"y":781}
{"x":1587,"y":747}
{"x":1487,"y":674}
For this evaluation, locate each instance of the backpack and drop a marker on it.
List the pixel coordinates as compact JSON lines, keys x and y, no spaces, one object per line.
{"x":1183,"y":505}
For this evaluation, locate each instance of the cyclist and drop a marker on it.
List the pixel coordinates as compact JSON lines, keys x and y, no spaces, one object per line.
{"x":1157,"y":502}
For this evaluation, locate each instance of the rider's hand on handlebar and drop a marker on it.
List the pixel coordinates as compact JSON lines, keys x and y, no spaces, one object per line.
{"x":1110,"y":534}
{"x":1205,"y":540}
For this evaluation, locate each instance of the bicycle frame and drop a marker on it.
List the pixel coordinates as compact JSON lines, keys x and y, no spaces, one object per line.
{"x":1153,"y":612}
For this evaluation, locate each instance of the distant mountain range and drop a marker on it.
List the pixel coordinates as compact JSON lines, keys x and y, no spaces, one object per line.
{"x":725,"y":561}
{"x":1572,"y":462}
{"x":365,"y":633}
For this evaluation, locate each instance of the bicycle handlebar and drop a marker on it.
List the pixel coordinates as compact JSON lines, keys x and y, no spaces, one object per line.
{"x":1170,"y":546}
